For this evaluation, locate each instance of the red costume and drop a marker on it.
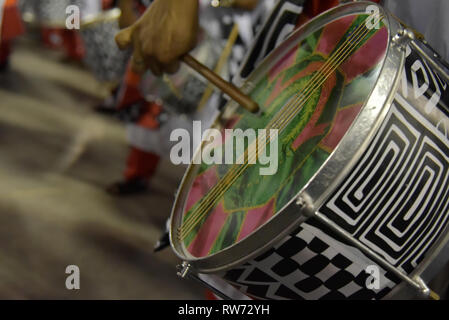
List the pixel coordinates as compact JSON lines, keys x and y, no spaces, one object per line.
{"x":67,"y":40}
{"x":140,"y":164}
{"x":10,"y":27}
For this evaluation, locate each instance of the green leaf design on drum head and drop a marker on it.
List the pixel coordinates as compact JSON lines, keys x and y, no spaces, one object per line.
{"x":315,"y":126}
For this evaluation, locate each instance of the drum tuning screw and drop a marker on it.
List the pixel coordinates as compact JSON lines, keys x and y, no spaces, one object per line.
{"x":301,"y":202}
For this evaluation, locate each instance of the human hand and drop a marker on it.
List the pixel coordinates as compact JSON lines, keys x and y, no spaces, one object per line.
{"x":128,"y":16}
{"x":163,"y":34}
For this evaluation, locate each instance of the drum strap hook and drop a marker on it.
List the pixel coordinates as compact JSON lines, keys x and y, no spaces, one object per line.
{"x":186,"y":271}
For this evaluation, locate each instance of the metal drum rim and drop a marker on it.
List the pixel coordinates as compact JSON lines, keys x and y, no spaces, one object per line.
{"x":324,"y":182}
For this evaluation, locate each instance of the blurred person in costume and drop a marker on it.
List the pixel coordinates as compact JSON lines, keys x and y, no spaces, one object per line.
{"x":10,"y":27}
{"x":153,"y":107}
{"x":130,"y":104}
{"x":51,"y":16}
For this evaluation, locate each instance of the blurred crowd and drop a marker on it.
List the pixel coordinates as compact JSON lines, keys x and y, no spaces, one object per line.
{"x":152,"y":106}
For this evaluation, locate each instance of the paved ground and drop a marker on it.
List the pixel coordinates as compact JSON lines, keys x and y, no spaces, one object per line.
{"x":56,"y":157}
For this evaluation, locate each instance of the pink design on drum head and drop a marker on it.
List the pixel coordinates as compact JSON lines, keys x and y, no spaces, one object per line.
{"x":310,"y":132}
{"x":313,"y":129}
{"x":255,"y":218}
{"x":282,"y":83}
{"x":344,"y":119}
{"x":285,"y":62}
{"x":367,"y":56}
{"x":201,"y":186}
{"x":333,"y":33}
{"x":207,"y":235}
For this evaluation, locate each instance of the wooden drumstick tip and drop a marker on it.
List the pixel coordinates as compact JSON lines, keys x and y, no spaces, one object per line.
{"x":433,"y":295}
{"x":231,"y":90}
{"x":253,"y":106}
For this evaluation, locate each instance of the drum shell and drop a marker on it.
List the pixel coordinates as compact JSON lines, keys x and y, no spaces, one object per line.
{"x":106,"y":61}
{"x":314,"y":262}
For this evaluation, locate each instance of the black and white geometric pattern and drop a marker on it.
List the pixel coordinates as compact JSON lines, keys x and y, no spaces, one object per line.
{"x":276,"y":28}
{"x":396,"y":199}
{"x":309,"y":264}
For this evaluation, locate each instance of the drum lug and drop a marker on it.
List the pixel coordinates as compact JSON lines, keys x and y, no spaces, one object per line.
{"x":403,"y":38}
{"x":186,"y":271}
{"x":415,"y":282}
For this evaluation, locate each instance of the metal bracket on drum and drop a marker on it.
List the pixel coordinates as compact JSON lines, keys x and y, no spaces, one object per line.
{"x":186,"y":271}
{"x":432,"y":57}
{"x":407,"y":36}
{"x":403,"y":38}
{"x":416,"y":281}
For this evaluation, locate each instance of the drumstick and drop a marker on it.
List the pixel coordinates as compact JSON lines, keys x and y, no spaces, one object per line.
{"x":220,"y":64}
{"x":225,"y":86}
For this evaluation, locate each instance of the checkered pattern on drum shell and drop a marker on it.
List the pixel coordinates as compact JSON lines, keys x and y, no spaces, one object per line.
{"x":309,"y":264}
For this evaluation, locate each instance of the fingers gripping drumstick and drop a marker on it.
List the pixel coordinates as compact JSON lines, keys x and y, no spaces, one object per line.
{"x":124,"y":39}
{"x":228,"y":88}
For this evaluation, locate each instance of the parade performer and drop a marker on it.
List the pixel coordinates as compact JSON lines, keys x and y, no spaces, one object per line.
{"x":143,"y":109}
{"x":132,"y":106}
{"x":10,"y":27}
{"x":51,"y":16}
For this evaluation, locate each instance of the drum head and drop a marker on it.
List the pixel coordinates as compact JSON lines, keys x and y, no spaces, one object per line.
{"x":310,"y":89}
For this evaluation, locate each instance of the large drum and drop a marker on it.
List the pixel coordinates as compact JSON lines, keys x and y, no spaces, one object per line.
{"x":353,"y":202}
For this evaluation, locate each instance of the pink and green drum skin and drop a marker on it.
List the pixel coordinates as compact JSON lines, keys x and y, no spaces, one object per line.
{"x":318,"y":124}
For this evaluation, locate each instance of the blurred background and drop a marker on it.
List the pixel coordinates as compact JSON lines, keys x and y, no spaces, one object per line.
{"x":57,"y":155}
